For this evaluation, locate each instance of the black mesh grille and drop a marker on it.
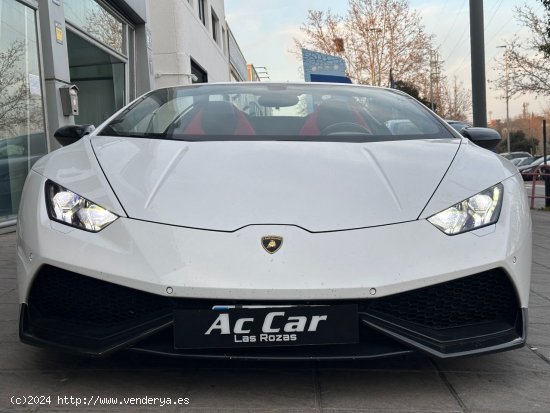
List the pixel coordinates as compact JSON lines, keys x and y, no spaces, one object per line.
{"x":481,"y":298}
{"x":72,"y":297}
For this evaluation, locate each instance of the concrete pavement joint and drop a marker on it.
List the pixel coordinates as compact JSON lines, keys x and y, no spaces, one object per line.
{"x":542,"y":265}
{"x":57,"y":389}
{"x":539,"y":354}
{"x":388,"y":410}
{"x":540,"y":296}
{"x":7,"y":292}
{"x":543,"y":247}
{"x":450,"y":387}
{"x":317,"y":383}
{"x":242,"y":409}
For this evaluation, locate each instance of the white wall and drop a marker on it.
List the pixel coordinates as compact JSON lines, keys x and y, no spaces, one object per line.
{"x":178,"y":35}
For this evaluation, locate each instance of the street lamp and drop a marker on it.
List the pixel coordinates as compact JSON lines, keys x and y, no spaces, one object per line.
{"x":507,"y":74}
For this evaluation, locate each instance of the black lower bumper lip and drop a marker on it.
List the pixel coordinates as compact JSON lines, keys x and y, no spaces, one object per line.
{"x":378,"y":340}
{"x":47,"y":336}
{"x":476,"y":342}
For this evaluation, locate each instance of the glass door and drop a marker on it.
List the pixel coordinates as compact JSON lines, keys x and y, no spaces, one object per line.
{"x":100,"y":78}
{"x":22,"y":130}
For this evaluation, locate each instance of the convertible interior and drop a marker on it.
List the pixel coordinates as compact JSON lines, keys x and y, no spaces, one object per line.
{"x":329,"y":117}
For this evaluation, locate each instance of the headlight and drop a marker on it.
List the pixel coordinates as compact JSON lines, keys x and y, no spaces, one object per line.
{"x":71,"y":209}
{"x":478,"y":211}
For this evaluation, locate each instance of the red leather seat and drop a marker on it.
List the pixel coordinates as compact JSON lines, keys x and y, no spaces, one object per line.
{"x":219,"y":118}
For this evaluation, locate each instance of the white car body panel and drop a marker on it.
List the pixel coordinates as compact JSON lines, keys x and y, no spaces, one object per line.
{"x":335,"y":265}
{"x":473,"y":170}
{"x":227,"y":185}
{"x":76,"y":167}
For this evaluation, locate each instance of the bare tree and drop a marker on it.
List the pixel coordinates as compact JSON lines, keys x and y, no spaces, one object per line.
{"x":528,"y":66}
{"x":373,"y":37}
{"x":376,"y":36}
{"x":455,"y":101}
{"x":546,"y":47}
{"x":14,"y":92}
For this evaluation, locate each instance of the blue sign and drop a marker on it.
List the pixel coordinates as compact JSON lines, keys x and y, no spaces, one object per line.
{"x":330,"y":78}
{"x":321,"y":67}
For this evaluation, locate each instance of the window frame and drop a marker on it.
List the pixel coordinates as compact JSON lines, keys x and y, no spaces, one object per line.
{"x":215,"y":24}
{"x":202,"y":11}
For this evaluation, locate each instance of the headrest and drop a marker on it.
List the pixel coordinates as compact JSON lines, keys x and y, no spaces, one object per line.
{"x":219,"y":118}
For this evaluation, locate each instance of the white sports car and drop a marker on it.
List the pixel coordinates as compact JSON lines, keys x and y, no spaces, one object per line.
{"x":266,"y":220}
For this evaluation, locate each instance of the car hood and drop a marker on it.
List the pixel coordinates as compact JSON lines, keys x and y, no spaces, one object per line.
{"x":319,"y":186}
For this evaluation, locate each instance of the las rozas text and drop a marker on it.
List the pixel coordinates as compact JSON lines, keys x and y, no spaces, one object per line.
{"x":264,"y":338}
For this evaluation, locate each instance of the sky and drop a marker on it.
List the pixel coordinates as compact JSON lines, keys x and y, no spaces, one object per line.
{"x":265,"y":30}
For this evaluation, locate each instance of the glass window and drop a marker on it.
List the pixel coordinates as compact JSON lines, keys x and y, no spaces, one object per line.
{"x":314,"y":112}
{"x":200,"y":75}
{"x":100,"y":78}
{"x":22,"y":132}
{"x":215,"y":22}
{"x":98,"y":22}
{"x":202,"y":15}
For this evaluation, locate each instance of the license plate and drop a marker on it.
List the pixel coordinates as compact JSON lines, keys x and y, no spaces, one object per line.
{"x":226,"y":327}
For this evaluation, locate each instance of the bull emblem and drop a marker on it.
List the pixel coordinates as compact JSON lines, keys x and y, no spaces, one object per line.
{"x":272,"y":243}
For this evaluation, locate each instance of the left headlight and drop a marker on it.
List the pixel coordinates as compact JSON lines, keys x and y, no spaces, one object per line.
{"x":71,"y":209}
{"x":475,"y":212}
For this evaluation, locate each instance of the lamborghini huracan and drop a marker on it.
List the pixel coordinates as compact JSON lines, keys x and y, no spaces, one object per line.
{"x":274,"y":221}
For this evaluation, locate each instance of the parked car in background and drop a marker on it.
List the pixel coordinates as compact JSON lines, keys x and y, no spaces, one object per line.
{"x":527,"y":161}
{"x":531,"y":168}
{"x":513,"y":155}
{"x":517,"y":161}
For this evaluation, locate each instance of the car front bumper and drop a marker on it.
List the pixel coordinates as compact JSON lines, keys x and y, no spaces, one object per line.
{"x":475,"y":314}
{"x":175,"y":266}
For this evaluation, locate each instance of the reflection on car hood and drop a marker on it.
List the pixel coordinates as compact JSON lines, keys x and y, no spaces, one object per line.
{"x":317,"y":186}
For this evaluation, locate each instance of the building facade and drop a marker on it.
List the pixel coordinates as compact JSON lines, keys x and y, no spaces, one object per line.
{"x":192,"y":43}
{"x":101,"y":48}
{"x":237,"y":61}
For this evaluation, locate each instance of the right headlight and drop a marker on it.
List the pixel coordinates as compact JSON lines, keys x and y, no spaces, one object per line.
{"x":74,"y":210}
{"x":475,"y":212}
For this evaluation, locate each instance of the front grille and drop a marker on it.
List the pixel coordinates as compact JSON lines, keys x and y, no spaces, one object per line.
{"x":481,"y":298}
{"x":97,"y":317}
{"x":74,"y":298}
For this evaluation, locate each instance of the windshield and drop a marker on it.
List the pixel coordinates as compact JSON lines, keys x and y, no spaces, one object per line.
{"x":252,"y":111}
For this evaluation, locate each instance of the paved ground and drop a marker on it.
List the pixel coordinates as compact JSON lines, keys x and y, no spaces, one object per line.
{"x":517,"y":381}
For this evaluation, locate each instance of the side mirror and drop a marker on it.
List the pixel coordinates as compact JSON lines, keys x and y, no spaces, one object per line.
{"x":484,"y":137}
{"x":66,"y":135}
